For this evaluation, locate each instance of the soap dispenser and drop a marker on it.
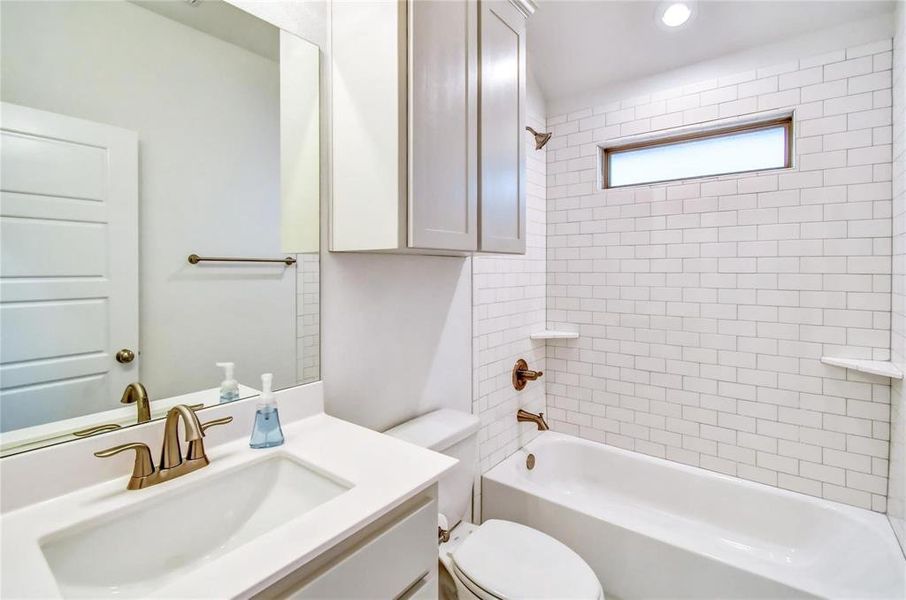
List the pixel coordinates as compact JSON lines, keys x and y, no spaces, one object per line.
{"x":229,"y":387}
{"x":266,"y":432}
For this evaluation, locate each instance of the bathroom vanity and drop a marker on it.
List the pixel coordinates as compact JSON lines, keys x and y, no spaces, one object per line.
{"x":338,"y":511}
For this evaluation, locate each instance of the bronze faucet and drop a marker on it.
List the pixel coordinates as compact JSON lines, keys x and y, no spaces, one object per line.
{"x":172,"y":464}
{"x":525,"y":416}
{"x":171,"y":452}
{"x":137,"y":394}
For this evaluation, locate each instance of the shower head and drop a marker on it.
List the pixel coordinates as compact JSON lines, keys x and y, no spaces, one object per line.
{"x":540,"y":138}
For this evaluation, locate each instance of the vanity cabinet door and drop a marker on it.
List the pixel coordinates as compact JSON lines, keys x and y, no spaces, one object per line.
{"x":502,"y":119}
{"x":443,"y":125}
{"x":395,"y":557}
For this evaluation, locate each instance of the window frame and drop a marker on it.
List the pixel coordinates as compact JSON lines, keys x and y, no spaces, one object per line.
{"x":786,"y":122}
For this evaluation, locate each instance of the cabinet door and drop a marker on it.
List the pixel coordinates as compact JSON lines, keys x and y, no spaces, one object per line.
{"x":501,"y":122}
{"x":368,"y":125}
{"x":398,"y":559}
{"x":443,"y":125}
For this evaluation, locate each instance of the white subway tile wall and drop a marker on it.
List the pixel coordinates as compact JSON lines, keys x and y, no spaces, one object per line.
{"x":896,"y":502}
{"x":705,"y":305}
{"x":508,"y":305}
{"x":308,"y":317}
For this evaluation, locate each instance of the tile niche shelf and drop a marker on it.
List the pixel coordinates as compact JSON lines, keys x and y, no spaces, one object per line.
{"x":873,"y":367}
{"x":550,"y":334}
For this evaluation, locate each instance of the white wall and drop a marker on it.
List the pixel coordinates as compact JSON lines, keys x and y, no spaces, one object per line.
{"x":896,"y":495}
{"x":396,"y":336}
{"x":209,"y":152}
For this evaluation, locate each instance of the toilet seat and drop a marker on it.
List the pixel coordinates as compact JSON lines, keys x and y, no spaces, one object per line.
{"x":503,"y":560}
{"x":472,"y":586}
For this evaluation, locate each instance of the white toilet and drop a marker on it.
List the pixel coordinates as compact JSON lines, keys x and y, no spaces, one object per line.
{"x":498,"y":559}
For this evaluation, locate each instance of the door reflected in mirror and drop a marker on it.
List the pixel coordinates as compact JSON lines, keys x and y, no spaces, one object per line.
{"x":135,"y":134}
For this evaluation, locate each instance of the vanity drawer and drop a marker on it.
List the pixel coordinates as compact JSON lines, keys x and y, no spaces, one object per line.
{"x":425,"y":589}
{"x":391,"y":561}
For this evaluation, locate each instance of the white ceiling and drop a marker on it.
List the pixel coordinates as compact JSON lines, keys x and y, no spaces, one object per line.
{"x":579,"y":46}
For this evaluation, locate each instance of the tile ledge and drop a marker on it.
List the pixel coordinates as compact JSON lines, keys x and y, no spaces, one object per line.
{"x":550,"y":334}
{"x":873,"y":367}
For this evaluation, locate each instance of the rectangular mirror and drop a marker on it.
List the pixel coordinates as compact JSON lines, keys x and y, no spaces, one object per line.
{"x":140,"y":140}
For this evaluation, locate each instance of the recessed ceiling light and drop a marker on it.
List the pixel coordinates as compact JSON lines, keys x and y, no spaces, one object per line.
{"x":676,"y":14}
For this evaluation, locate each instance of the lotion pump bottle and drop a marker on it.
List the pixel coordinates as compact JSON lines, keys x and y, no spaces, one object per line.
{"x":266,"y":432}
{"x":229,"y":387}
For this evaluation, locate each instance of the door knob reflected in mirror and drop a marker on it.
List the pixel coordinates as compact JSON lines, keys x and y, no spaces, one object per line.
{"x":125,"y":356}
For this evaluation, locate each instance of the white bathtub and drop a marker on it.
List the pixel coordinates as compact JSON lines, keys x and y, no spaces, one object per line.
{"x":651,"y":528}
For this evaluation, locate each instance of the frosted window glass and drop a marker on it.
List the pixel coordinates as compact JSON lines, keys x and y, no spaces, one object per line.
{"x":723,"y":153}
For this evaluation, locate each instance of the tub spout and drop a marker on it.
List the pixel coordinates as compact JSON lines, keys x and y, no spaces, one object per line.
{"x":525,"y":416}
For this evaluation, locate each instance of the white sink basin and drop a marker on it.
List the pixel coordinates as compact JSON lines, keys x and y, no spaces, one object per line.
{"x":139,"y":549}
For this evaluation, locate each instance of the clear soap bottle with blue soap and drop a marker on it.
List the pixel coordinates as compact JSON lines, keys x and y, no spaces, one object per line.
{"x":266,"y":432}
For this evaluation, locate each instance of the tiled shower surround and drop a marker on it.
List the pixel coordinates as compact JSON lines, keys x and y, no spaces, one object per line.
{"x":308,"y":317}
{"x":508,"y":299}
{"x":896,"y":502}
{"x":704,"y":306}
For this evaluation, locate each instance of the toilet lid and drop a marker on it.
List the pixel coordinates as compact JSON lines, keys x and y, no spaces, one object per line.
{"x":510,"y":560}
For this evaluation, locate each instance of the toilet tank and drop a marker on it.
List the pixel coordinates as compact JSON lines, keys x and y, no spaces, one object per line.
{"x":455,"y":434}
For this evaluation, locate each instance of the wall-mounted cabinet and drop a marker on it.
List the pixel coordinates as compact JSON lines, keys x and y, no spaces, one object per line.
{"x":428,"y":111}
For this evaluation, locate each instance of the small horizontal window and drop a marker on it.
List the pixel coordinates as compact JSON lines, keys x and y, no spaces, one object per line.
{"x":753,"y":147}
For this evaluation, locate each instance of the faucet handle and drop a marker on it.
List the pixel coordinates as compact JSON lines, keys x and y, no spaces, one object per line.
{"x":96,"y":430}
{"x":196,"y":447}
{"x":215,"y":422}
{"x":522,"y":374}
{"x":143,"y":466}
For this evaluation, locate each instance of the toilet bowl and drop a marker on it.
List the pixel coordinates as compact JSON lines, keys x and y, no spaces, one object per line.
{"x":498,"y":559}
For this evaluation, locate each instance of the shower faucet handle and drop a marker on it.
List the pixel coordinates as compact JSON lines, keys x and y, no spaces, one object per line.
{"x":522,"y":374}
{"x":530,"y":375}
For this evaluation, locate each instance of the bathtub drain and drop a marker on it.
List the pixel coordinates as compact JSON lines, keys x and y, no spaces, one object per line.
{"x":530,"y":462}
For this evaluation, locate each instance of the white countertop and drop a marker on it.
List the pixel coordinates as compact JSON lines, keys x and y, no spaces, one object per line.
{"x":383,"y":471}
